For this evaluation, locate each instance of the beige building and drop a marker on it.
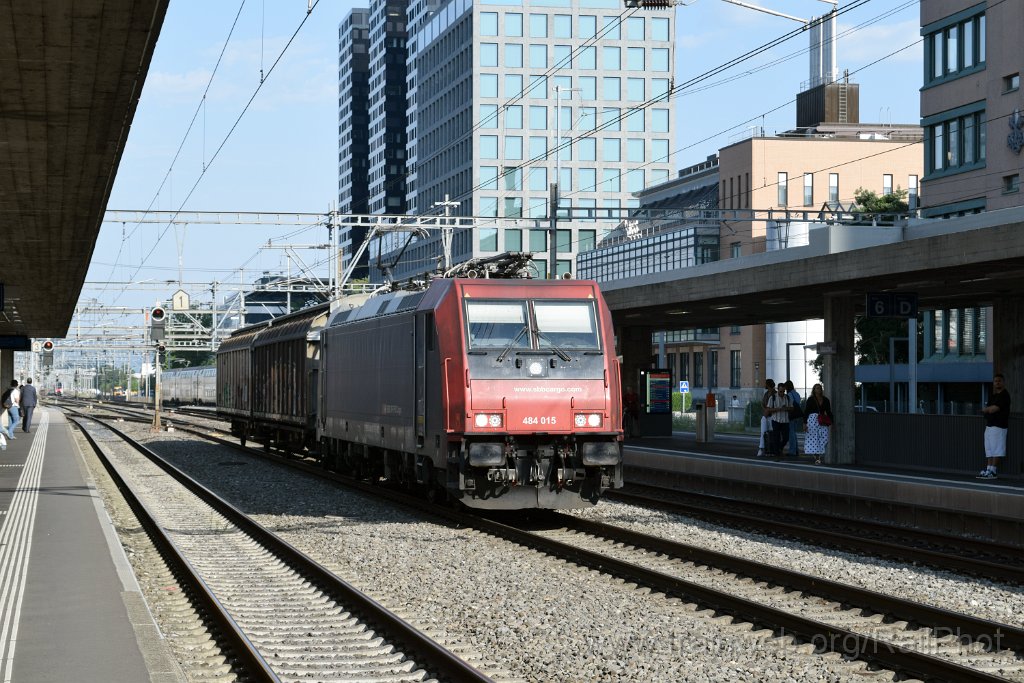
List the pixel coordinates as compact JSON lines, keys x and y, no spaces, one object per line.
{"x":806,"y":170}
{"x":971,"y":106}
{"x":803,"y":171}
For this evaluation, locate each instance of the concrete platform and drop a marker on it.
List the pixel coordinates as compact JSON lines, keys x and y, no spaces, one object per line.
{"x":70,"y":608}
{"x":727,"y":467}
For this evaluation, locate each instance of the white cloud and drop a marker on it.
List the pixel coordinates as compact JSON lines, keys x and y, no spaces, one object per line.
{"x":166,"y":84}
{"x":875,"y":42}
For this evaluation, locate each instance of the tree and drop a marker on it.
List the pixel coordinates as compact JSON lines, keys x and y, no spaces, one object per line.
{"x":869,"y":202}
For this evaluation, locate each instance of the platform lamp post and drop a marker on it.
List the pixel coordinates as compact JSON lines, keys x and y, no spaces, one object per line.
{"x":554,"y":200}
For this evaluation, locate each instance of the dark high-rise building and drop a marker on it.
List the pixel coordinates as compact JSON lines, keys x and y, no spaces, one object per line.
{"x":353,"y":122}
{"x":387,"y":106}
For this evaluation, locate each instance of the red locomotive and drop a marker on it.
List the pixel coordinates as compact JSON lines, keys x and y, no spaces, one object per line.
{"x":501,"y":393}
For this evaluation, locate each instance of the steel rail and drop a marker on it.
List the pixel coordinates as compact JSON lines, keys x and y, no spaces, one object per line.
{"x":832,"y":638}
{"x":1011,"y":571}
{"x":429,"y":654}
{"x":248,"y":660}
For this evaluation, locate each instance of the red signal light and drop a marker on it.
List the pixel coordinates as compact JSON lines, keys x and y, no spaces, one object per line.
{"x":157,"y":314}
{"x":47,"y":346}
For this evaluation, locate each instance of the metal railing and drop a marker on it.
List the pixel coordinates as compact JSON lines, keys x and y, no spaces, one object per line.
{"x":941,"y":444}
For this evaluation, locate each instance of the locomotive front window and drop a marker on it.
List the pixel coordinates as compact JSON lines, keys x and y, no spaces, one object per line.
{"x":495,"y":325}
{"x":570,"y":325}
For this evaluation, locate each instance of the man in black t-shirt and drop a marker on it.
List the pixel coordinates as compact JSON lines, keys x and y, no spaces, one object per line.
{"x":997,"y":422}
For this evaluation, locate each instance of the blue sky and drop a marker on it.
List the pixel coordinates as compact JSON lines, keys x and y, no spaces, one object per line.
{"x":282,"y":156}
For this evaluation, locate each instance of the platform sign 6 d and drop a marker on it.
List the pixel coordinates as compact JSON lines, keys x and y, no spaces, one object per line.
{"x":891,"y":305}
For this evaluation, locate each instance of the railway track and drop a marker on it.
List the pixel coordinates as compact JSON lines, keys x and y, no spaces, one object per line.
{"x":979,"y":557}
{"x":909,"y":638}
{"x":278,"y":614}
{"x":992,"y":560}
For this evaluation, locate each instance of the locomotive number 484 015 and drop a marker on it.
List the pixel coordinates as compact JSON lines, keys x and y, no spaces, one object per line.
{"x":545,"y":420}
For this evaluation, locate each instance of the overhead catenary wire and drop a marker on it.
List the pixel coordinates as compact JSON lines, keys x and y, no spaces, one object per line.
{"x":200,"y":106}
{"x":672,"y":92}
{"x":227,"y":136}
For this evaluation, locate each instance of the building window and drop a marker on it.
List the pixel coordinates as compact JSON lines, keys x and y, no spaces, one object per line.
{"x":612,"y":88}
{"x":956,"y":48}
{"x":912,"y":197}
{"x":1011,"y":83}
{"x":808,"y":189}
{"x":488,"y":239}
{"x":488,"y":177}
{"x":488,"y":146}
{"x":611,"y":58}
{"x":514,"y":116}
{"x":886,"y":183}
{"x":587,"y":149}
{"x":957,"y":144}
{"x":538,"y":177}
{"x":514,"y":25}
{"x":833,"y":188}
{"x":635,"y":89}
{"x":635,"y":28}
{"x":612,"y":149}
{"x":735,"y":249}
{"x":698,"y":368}
{"x":513,"y":207}
{"x":1011,"y":183}
{"x":538,"y":240}
{"x":713,"y":369}
{"x":659,"y":120}
{"x":488,"y":23}
{"x":513,"y":240}
{"x":587,"y":58}
{"x":635,"y":58}
{"x":588,"y":177}
{"x":513,"y":176}
{"x":538,"y":118}
{"x":563,"y":26}
{"x":611,"y":182}
{"x":538,"y":26}
{"x":783,"y":198}
{"x":611,"y":28}
{"x":488,"y":54}
{"x":587,"y":240}
{"x":735,"y":367}
{"x":514,"y":55}
{"x":514,"y":86}
{"x":539,"y":56}
{"x":588,"y":26}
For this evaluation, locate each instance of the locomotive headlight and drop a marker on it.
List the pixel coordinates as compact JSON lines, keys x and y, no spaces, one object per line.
{"x":588,"y":419}
{"x":536,"y":368}
{"x":487,"y":420}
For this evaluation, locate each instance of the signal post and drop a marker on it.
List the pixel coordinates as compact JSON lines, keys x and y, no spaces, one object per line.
{"x":157,"y":317}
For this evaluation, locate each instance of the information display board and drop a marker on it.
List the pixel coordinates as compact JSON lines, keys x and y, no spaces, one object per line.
{"x":659,"y":392}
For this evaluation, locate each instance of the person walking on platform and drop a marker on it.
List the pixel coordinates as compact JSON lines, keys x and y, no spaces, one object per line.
{"x":997,"y":423}
{"x":795,"y":415}
{"x":11,"y":401}
{"x":766,"y":420}
{"x":29,"y":399}
{"x":818,"y":418}
{"x":779,"y":406}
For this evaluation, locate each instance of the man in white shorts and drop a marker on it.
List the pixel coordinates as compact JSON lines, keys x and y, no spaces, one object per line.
{"x":997,"y":421}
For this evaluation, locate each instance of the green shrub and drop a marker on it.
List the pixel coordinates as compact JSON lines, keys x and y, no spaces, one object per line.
{"x":681,"y":402}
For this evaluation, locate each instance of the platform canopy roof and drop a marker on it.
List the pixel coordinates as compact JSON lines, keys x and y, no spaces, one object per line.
{"x":71,"y":74}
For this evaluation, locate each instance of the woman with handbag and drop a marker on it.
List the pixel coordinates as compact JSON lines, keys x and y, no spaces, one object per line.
{"x":818,"y":413}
